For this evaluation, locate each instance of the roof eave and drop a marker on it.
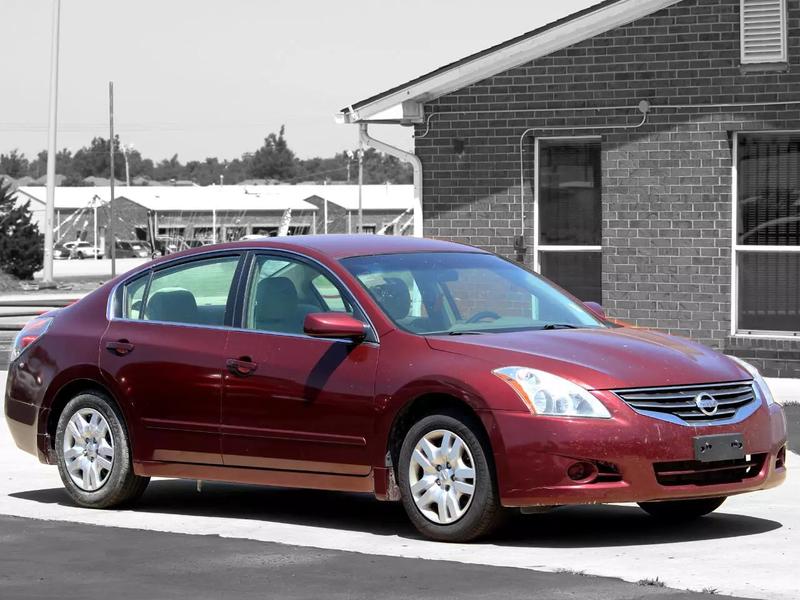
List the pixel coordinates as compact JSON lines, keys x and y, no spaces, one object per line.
{"x":552,"y":38}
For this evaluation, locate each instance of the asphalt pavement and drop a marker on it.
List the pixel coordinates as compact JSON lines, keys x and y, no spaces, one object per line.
{"x":49,"y":559}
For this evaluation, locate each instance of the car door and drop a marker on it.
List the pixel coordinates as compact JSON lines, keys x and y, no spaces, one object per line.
{"x":292,"y":401}
{"x":163,"y":355}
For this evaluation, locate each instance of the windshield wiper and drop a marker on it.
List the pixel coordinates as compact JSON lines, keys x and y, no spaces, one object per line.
{"x":466,"y":332}
{"x":559,"y":326}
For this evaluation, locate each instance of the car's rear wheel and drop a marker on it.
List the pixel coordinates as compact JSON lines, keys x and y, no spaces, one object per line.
{"x":682,"y":510}
{"x":94,"y":455}
{"x":446,"y":481}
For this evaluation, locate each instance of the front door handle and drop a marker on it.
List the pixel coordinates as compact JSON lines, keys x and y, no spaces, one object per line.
{"x":241,"y":366}
{"x":120,"y":348}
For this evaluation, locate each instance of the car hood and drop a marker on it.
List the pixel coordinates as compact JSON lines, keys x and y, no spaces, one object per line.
{"x":600,"y":359}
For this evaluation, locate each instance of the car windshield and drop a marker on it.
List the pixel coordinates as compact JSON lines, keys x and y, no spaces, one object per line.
{"x":465,"y":293}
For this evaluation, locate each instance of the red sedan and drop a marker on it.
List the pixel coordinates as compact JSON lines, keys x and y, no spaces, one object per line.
{"x":422,"y":371}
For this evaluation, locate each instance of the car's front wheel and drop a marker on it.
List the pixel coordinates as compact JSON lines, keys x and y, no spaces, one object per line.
{"x":446,"y":481}
{"x":94,"y":455}
{"x":682,"y":510}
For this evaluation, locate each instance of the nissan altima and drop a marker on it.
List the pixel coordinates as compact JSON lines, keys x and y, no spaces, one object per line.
{"x":428,"y":372}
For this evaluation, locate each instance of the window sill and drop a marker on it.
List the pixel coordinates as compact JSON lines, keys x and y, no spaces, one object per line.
{"x":766,"y":335}
{"x":780,"y":67}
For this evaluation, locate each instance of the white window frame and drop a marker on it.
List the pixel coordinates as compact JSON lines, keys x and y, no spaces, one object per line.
{"x":739,"y":248}
{"x":538,"y":247}
{"x":745,"y":60}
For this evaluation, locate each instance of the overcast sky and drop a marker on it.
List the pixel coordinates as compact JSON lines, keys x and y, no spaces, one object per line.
{"x":213,"y":77}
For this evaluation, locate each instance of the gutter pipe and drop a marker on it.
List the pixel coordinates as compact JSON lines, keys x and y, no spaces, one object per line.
{"x":407,"y":157}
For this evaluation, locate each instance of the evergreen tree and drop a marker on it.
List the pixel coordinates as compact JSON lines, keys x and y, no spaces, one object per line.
{"x":21,"y":244}
{"x":274,"y":160}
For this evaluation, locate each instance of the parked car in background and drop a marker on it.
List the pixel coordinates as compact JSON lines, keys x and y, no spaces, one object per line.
{"x":164,"y":246}
{"x":428,"y":372}
{"x":83,"y":250}
{"x":60,"y":252}
{"x":133,"y":249}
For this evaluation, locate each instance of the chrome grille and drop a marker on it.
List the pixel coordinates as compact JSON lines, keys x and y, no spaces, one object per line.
{"x":677,"y":403}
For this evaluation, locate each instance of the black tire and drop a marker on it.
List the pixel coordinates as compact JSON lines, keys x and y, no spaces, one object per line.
{"x":121,"y":486}
{"x":80,"y":255}
{"x":682,"y":510}
{"x":483,"y":513}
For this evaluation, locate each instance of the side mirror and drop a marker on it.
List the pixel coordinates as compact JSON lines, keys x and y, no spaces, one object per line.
{"x":596,"y":310}
{"x":334,"y":325}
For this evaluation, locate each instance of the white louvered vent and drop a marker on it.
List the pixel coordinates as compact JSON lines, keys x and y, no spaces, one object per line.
{"x":763,"y":31}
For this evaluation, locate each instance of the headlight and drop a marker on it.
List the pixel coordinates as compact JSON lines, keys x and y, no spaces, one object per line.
{"x":547,"y":394}
{"x":761,"y":386}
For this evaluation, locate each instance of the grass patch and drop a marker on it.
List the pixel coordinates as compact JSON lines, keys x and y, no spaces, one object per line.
{"x":650,"y":582}
{"x":571,"y":572}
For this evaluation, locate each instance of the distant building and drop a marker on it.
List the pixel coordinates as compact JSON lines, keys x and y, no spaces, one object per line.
{"x":193,"y":214}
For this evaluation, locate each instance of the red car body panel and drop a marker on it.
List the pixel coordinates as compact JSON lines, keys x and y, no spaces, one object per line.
{"x":318,"y":413}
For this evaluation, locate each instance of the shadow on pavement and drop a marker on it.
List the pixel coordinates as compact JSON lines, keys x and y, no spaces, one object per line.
{"x":570,"y":527}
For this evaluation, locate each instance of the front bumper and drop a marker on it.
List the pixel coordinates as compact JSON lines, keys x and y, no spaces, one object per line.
{"x":533,"y":453}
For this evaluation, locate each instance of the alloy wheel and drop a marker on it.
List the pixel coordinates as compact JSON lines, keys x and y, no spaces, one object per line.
{"x":441,"y":475}
{"x":88,"y":449}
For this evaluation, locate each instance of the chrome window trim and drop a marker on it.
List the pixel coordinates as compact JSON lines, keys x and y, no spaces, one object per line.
{"x":239,"y":329}
{"x":243,"y":251}
{"x":742,"y":414}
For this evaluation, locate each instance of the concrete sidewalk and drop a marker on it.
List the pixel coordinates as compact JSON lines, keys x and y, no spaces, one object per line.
{"x":785,"y":391}
{"x":71,"y":269}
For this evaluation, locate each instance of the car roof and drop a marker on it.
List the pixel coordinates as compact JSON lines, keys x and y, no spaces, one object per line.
{"x":345,"y":246}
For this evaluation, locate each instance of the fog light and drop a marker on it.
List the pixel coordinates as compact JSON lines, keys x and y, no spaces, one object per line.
{"x":780,"y":460}
{"x":583,"y":472}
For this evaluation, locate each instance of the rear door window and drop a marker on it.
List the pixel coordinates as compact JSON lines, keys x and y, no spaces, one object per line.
{"x":194,"y":293}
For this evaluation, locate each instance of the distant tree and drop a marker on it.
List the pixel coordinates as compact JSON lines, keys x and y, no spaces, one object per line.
{"x":21,"y":244}
{"x":14,"y":164}
{"x":274,"y":160}
{"x":168,"y":169}
{"x":95,"y":160}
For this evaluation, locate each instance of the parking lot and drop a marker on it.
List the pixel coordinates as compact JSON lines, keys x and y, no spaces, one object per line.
{"x":746,"y":549}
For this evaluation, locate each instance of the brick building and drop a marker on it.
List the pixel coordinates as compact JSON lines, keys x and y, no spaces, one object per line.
{"x":645,"y":153}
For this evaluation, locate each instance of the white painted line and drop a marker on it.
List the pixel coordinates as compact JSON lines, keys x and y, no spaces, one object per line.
{"x":749,"y":555}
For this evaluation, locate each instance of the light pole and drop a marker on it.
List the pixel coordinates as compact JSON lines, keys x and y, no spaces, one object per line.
{"x":125,"y":149}
{"x":360,"y":185}
{"x":111,"y":180}
{"x":49,"y":212}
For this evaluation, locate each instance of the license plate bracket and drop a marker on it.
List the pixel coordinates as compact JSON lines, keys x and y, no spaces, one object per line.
{"x":713,"y":448}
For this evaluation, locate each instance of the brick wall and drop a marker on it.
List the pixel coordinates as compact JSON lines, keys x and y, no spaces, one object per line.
{"x":667,"y":203}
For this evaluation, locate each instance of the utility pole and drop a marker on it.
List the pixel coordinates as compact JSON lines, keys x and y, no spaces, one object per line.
{"x":111,"y":197}
{"x":49,"y":212}
{"x":360,"y":184}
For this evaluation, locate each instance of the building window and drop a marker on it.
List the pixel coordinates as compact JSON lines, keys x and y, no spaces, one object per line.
{"x":763,"y":31}
{"x":568,"y":204}
{"x":767,"y":249}
{"x":371,"y":229}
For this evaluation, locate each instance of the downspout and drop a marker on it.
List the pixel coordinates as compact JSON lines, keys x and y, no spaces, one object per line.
{"x":408,"y":157}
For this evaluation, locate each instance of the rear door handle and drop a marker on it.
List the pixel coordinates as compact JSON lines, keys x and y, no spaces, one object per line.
{"x":241,"y":366}
{"x":120,"y":348}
